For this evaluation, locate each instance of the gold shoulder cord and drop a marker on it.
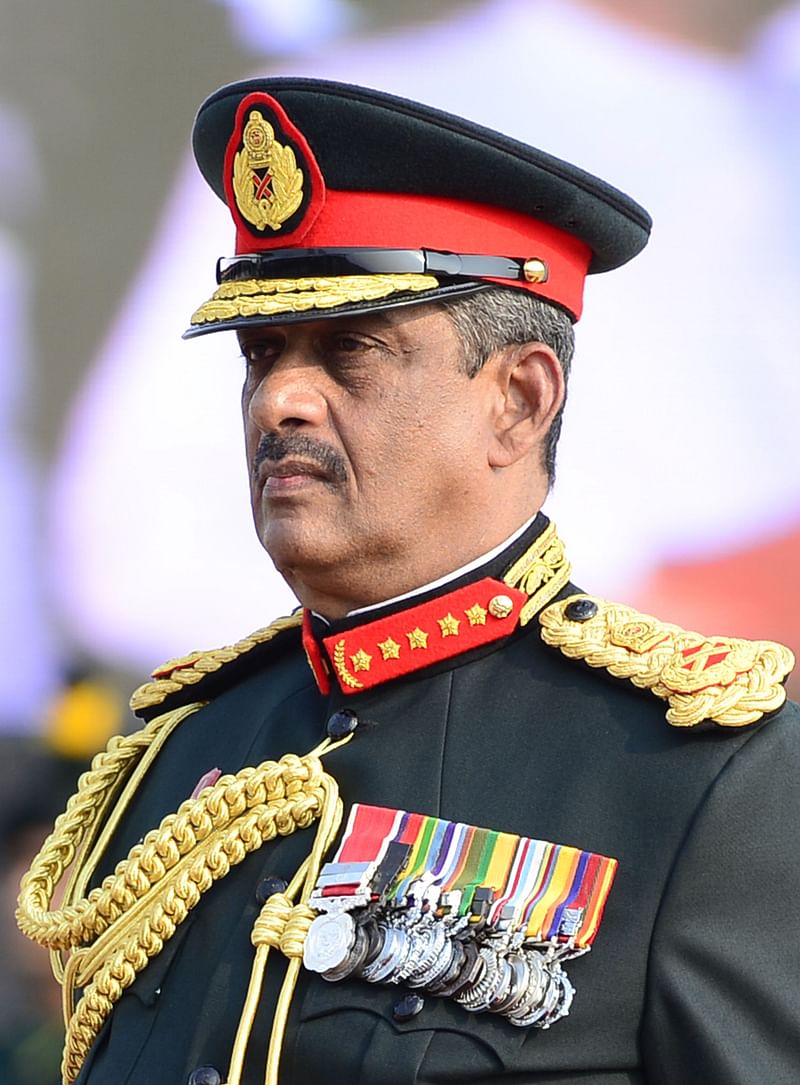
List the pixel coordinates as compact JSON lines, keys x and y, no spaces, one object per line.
{"x":730,"y":681}
{"x":174,"y":676}
{"x":115,"y":929}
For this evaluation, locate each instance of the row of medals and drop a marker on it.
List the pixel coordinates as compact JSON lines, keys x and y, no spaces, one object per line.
{"x":483,"y":970}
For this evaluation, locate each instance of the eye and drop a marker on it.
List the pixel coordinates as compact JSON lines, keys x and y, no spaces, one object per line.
{"x":258,"y":353}
{"x":350,"y":358}
{"x":345,"y":343}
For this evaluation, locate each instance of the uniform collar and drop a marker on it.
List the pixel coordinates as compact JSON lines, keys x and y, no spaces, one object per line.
{"x":471,"y":608}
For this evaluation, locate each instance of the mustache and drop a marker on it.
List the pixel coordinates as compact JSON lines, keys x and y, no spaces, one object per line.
{"x":274,"y":447}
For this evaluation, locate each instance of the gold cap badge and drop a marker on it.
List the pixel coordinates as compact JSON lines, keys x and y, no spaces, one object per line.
{"x":267,"y":183}
{"x":273,"y":185}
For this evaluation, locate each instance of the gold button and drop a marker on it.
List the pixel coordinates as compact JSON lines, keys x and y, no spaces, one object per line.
{"x":501,"y":606}
{"x":535,"y":271}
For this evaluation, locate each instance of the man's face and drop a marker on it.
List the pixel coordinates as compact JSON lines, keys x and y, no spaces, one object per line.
{"x":367,"y":450}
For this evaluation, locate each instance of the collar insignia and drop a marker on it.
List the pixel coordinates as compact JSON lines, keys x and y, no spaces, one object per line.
{"x":541,"y":572}
{"x":450,"y":625}
{"x":422,"y":635}
{"x":444,"y":627}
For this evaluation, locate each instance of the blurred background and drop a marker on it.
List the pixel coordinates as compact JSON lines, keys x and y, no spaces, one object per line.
{"x":126,"y":528}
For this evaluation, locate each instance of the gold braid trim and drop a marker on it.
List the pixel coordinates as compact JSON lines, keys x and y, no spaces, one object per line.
{"x":128,"y":918}
{"x":267,"y":297}
{"x":541,"y":572}
{"x":73,"y":832}
{"x":173,"y":676}
{"x":732,"y":682}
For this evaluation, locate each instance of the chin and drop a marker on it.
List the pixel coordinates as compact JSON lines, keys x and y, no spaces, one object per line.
{"x":294,"y":548}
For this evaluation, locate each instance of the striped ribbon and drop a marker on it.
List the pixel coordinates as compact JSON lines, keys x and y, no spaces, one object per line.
{"x":550,"y":892}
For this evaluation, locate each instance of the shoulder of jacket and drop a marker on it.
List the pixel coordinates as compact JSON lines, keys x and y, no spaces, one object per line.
{"x":729,"y":681}
{"x":191,"y":670}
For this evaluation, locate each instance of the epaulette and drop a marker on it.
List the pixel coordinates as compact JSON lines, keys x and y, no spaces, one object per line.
{"x":188,"y":670}
{"x":731,"y":682}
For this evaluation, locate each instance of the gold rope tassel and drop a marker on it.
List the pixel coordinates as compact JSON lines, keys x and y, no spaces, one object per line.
{"x":125,"y":921}
{"x":268,"y":930}
{"x":283,"y":926}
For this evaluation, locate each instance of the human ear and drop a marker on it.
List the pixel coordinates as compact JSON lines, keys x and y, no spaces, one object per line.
{"x":530,"y":393}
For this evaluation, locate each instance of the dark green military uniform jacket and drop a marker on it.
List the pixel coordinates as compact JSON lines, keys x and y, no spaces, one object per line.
{"x":694,"y":978}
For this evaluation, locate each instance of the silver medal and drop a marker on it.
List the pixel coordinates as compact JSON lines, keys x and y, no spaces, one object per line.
{"x":329,"y":941}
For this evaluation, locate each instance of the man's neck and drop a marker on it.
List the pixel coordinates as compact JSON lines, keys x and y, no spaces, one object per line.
{"x":441,"y":581}
{"x":494,"y":558}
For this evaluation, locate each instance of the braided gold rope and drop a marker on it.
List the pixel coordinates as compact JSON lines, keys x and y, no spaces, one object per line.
{"x":179,"y":862}
{"x":173,"y":676}
{"x":276,"y":916}
{"x":102,"y":823}
{"x":72,"y":831}
{"x":732,"y":682}
{"x":127,"y":919}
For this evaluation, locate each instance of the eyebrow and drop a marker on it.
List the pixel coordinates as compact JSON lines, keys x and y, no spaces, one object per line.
{"x":377,"y":320}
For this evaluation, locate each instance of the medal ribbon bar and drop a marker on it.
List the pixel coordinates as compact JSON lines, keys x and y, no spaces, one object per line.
{"x":478,"y":915}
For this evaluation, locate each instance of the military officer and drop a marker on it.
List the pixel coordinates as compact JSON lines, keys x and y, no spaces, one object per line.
{"x":375,"y":841}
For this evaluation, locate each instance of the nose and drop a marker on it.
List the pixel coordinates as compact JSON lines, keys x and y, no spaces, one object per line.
{"x":290,"y":395}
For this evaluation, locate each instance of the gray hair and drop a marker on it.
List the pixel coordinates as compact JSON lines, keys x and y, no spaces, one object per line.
{"x":493,"y":318}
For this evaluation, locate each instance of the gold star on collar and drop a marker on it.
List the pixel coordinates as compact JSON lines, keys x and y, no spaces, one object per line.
{"x":476,"y":615}
{"x":417,"y":638}
{"x":449,"y":625}
{"x":361,"y":660}
{"x":390,"y":649}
